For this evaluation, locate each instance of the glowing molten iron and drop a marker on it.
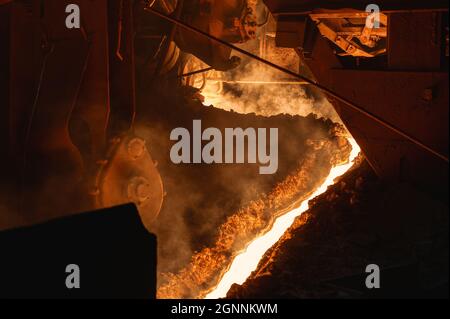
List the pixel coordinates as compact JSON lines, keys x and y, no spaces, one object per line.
{"x":247,"y":261}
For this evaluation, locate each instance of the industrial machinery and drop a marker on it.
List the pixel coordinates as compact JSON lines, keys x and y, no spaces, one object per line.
{"x":395,"y":72}
{"x":383,"y":67}
{"x":68,"y":96}
{"x":68,"y":99}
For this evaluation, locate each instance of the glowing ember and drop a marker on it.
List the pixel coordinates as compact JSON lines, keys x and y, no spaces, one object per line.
{"x":247,"y":261}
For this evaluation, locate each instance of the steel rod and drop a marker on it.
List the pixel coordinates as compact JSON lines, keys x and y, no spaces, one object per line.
{"x":196,"y":72}
{"x":258,"y":82}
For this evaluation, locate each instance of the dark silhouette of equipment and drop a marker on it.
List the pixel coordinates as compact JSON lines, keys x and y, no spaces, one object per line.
{"x":115,"y":254}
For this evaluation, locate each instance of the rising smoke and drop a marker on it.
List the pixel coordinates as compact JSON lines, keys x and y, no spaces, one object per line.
{"x":211,"y":211}
{"x":266,"y":99}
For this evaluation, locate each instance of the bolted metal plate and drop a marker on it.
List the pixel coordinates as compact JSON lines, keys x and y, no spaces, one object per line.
{"x":130,"y":175}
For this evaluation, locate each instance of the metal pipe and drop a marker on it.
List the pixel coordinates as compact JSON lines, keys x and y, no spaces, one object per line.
{"x":258,"y":82}
{"x":120,"y":32}
{"x":308,"y":81}
{"x":196,"y":72}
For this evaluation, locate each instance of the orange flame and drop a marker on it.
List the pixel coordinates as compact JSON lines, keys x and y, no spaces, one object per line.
{"x":247,"y":261}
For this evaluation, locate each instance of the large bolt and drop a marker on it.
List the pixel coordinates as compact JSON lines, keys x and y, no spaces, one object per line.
{"x":136,"y":148}
{"x":143,"y":192}
{"x":139,"y":190}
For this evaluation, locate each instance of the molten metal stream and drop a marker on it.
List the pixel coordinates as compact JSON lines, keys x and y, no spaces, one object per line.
{"x":247,"y":261}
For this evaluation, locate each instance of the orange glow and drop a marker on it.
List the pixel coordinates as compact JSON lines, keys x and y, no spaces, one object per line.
{"x":247,"y":261}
